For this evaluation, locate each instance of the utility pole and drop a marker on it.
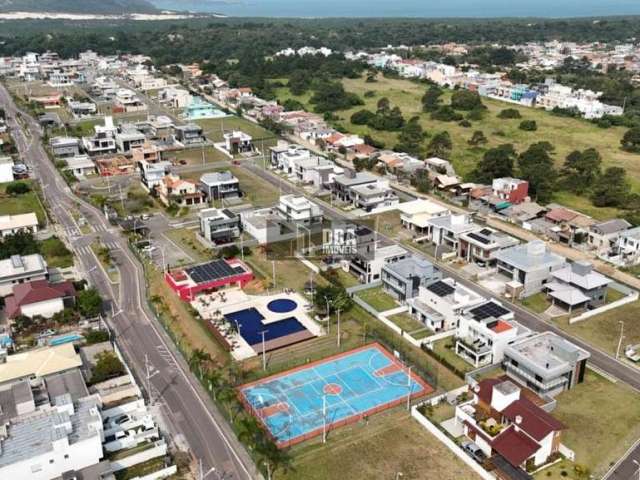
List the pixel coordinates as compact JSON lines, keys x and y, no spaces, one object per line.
{"x":326,"y":299}
{"x":409,"y":390}
{"x":338,"y":311}
{"x":273,"y":269}
{"x":620,"y":340}
{"x":324,"y":419}
{"x":264,"y":354}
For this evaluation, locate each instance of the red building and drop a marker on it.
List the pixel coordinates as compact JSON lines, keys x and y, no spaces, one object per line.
{"x":215,"y":275}
{"x":512,"y":190}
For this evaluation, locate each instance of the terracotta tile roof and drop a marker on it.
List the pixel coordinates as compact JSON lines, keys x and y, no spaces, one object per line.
{"x":34,"y":292}
{"x":515,"y":446}
{"x":335,"y":138}
{"x":485,"y":389}
{"x":560,"y":215}
{"x":535,"y":421}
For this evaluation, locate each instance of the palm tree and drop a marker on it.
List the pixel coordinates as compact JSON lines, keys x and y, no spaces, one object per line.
{"x":227,"y":395}
{"x":214,"y":381}
{"x":249,"y":431}
{"x":197,"y":359}
{"x":272,"y":457}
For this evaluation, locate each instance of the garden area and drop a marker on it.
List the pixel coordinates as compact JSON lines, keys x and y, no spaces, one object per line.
{"x":378,"y":299}
{"x":21,"y":197}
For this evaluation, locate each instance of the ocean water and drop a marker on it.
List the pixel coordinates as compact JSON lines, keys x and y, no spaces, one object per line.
{"x":408,"y":8}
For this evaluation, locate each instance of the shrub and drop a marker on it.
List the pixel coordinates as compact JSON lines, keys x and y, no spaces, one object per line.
{"x":509,"y":113}
{"x":17,"y":188}
{"x":528,"y":125}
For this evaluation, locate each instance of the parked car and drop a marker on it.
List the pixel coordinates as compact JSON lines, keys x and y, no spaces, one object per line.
{"x":474,"y":451}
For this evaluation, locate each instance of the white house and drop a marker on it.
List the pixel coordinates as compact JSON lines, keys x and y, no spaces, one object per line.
{"x":484,"y":331}
{"x":39,"y":298}
{"x":26,"y":222}
{"x":439,"y":304}
{"x":20,"y":269}
{"x":80,"y":166}
{"x":415,"y":214}
{"x":6,"y":169}
{"x":299,"y":210}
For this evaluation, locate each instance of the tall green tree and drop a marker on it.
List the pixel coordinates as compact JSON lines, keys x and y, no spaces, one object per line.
{"x":440,"y":145}
{"x":465,"y":100}
{"x":631,"y":140}
{"x":411,"y":138}
{"x":537,"y":167}
{"x":581,"y":169}
{"x":612,"y":189}
{"x":497,"y":162}
{"x":431,"y":100}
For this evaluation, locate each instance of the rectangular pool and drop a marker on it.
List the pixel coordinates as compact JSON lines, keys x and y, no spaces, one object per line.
{"x":251,"y":324}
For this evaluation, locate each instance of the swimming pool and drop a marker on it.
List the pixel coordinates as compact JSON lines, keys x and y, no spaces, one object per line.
{"x":251,"y":325}
{"x":282,"y":305}
{"x":200,"y":110}
{"x":352,"y":385}
{"x":72,"y":337}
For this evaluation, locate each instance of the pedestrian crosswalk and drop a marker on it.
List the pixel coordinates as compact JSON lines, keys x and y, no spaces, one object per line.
{"x":85,"y":250}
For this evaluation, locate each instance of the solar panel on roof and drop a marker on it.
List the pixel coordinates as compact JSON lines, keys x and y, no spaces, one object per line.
{"x":210,"y":271}
{"x":479,"y":238}
{"x":441,"y":289}
{"x":486,"y":232}
{"x":488,"y":310}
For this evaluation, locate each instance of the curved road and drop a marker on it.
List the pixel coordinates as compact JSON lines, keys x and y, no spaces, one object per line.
{"x":142,"y":340}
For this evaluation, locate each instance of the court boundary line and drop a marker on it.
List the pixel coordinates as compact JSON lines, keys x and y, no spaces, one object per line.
{"x":426,"y":390}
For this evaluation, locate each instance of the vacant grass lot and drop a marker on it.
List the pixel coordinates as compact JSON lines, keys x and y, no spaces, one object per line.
{"x":388,"y":445}
{"x":186,"y":239}
{"x":407,"y":323}
{"x":25,"y":203}
{"x":193,"y":156}
{"x":256,"y":191}
{"x":56,"y":253}
{"x":378,"y":299}
{"x":602,"y":419}
{"x":603,"y":331}
{"x":537,"y":303}
{"x":567,"y":134}
{"x":215,"y":127}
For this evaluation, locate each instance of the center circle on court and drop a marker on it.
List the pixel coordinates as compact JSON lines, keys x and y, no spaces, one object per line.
{"x":332,"y":389}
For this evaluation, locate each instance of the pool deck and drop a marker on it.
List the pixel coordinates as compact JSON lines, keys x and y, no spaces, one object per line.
{"x":233,"y":300}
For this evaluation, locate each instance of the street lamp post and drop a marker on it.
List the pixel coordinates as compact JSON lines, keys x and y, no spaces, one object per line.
{"x":338,"y":312}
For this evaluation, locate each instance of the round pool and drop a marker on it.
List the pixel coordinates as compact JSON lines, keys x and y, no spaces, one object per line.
{"x":282,"y":305}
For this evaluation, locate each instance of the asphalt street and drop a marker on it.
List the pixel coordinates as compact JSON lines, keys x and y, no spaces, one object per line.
{"x":626,"y":469}
{"x":142,"y":340}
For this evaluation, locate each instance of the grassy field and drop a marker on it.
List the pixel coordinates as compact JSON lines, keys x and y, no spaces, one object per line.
{"x":56,"y":253}
{"x":189,"y":331}
{"x":407,"y":323}
{"x":388,"y":445}
{"x":599,"y":413}
{"x":603,"y":331}
{"x":25,"y":203}
{"x":186,"y":239}
{"x":214,"y":128}
{"x":378,"y":299}
{"x":256,"y":191}
{"x":440,"y":347}
{"x":193,"y":156}
{"x":567,"y":134}
{"x":537,"y":303}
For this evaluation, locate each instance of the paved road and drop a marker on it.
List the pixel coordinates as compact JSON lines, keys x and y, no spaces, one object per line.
{"x":599,"y":359}
{"x":183,"y":401}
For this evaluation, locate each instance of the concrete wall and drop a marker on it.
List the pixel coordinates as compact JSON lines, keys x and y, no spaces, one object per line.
{"x":164,"y":473}
{"x":451,"y":445}
{"x":159,"y":450}
{"x":632,"y":296}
